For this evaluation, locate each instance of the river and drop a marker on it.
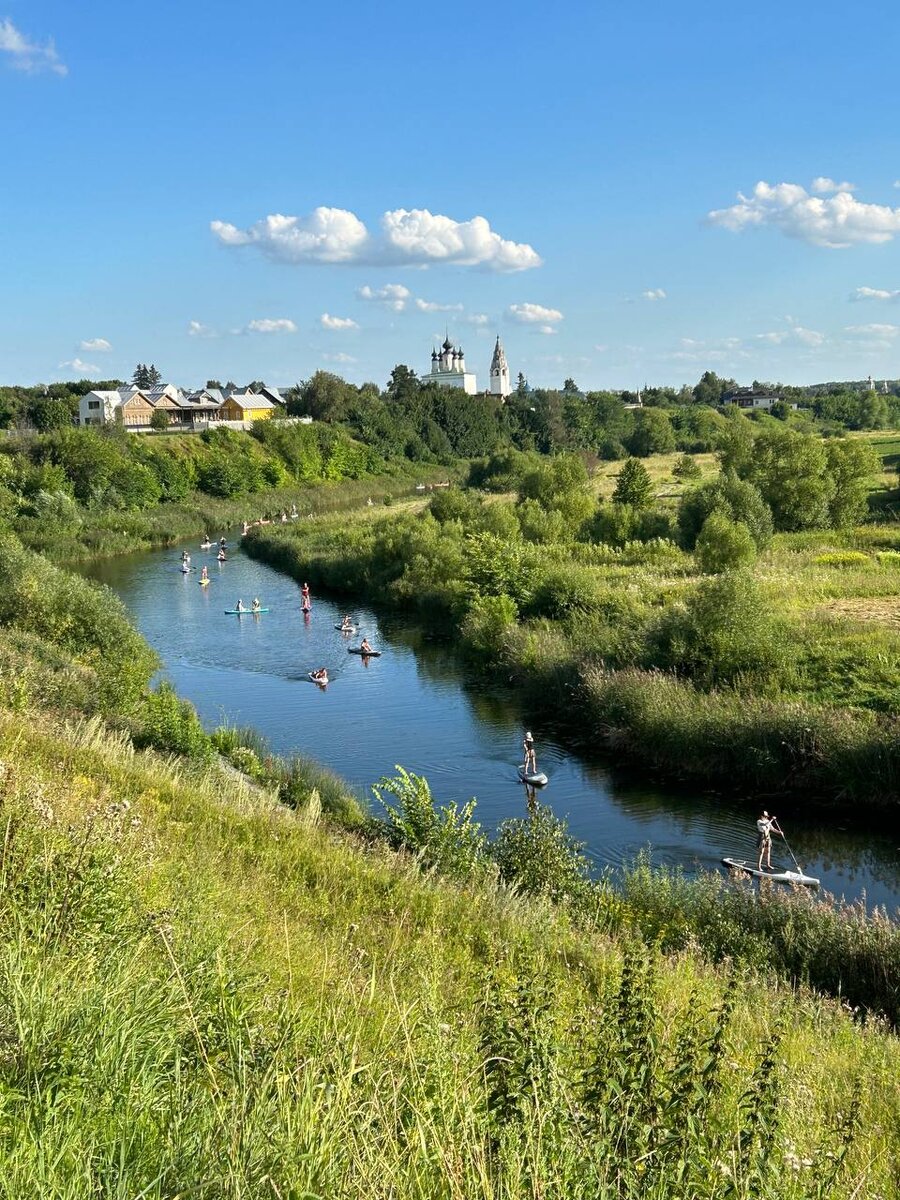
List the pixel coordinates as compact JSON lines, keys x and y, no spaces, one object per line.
{"x":416,"y":706}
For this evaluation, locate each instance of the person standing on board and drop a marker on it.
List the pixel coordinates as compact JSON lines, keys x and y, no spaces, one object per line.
{"x":765,"y":827}
{"x":530,"y":756}
{"x":304,"y":592}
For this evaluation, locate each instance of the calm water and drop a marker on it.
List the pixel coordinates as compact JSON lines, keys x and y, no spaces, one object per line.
{"x":415,"y":706}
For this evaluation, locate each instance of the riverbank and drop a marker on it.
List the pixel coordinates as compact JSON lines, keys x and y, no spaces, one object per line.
{"x":104,"y":532}
{"x":749,"y":679}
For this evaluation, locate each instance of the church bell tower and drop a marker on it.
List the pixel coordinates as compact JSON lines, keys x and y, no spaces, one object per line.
{"x":500,"y":385}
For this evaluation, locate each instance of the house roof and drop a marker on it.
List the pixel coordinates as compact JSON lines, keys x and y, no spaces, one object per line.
{"x":252,"y":400}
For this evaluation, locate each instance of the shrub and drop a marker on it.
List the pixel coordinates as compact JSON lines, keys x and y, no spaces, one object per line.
{"x":733,"y":498}
{"x":537,"y":524}
{"x":724,"y":545}
{"x":488,"y":619}
{"x":723,"y":630}
{"x":172,"y":724}
{"x":653,"y":434}
{"x":565,"y":588}
{"x":686,"y":468}
{"x":889,"y":558}
{"x":538,"y":856}
{"x":447,"y":838}
{"x":160,"y":420}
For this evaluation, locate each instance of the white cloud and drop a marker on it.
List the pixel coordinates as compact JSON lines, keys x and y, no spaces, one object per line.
{"x":868,"y":293}
{"x":875,"y":330}
{"x":654,"y":294}
{"x":823,"y":185}
{"x":535,"y":314}
{"x":418,"y":236}
{"x":327,"y":321}
{"x":84,"y":368}
{"x":393,"y":295}
{"x":727,"y":349}
{"x":479,"y":320}
{"x":834,"y":222}
{"x":95,"y":345}
{"x":433,"y":306}
{"x":199,"y":330}
{"x":30,"y":57}
{"x":413,"y":237}
{"x":272,"y":325}
{"x":339,"y":358}
{"x":795,"y":334}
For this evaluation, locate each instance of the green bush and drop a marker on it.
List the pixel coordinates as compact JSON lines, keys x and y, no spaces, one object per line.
{"x":447,"y":838}
{"x":735,"y":499}
{"x":686,"y":468}
{"x":172,"y":724}
{"x":724,"y":545}
{"x":537,"y":855}
{"x":723,"y":630}
{"x":888,"y":558}
{"x":488,"y":619}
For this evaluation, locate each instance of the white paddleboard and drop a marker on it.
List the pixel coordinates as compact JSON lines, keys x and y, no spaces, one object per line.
{"x":777,"y":876}
{"x":536,"y":779}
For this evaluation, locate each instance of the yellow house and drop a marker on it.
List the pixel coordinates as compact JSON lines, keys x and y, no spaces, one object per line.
{"x":248,"y":407}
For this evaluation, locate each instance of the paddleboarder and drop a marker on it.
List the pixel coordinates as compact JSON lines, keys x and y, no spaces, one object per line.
{"x":765,"y":827}
{"x":530,"y":756}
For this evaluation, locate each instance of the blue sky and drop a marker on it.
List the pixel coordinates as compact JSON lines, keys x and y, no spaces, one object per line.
{"x":546,"y":172}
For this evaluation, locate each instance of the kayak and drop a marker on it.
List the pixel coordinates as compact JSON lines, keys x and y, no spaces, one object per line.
{"x":364,"y":653}
{"x":535,"y":778}
{"x":777,"y":876}
{"x":244,"y":612}
{"x":346,"y":628}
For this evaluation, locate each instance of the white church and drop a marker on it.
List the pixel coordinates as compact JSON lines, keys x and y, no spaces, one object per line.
{"x":448,"y":369}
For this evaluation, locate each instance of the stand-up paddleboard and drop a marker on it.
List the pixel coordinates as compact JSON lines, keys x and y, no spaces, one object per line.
{"x":321,"y":682}
{"x":244,"y":612}
{"x":535,"y":778}
{"x":307,"y":608}
{"x":203,"y":582}
{"x":777,"y":876}
{"x":346,"y":628}
{"x":364,"y":653}
{"x":185,"y":570}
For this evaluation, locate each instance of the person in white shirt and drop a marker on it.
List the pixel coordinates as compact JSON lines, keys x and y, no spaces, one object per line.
{"x":765,"y":827}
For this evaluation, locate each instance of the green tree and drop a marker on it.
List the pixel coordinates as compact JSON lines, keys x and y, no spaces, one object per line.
{"x":160,"y":419}
{"x":724,"y":545}
{"x":653,"y":433}
{"x":733,"y":498}
{"x":324,"y":397}
{"x":872,"y":412}
{"x":141,"y":376}
{"x":403,"y":383}
{"x":634,"y":485}
{"x":851,"y":466}
{"x":790,"y":470}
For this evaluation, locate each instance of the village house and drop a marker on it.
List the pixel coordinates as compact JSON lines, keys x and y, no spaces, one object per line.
{"x":249,"y":406}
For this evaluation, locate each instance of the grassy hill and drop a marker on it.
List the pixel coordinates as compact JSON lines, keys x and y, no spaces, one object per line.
{"x":205,"y":994}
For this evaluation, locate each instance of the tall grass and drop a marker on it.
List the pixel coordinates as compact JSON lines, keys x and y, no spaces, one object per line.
{"x":201,"y":995}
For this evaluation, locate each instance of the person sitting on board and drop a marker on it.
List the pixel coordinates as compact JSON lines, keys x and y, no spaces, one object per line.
{"x":530,"y":756}
{"x":257,"y":604}
{"x":222,"y":542}
{"x":364,"y":647}
{"x":347,"y":623}
{"x":239,"y":607}
{"x":320,"y":676}
{"x":765,"y":826}
{"x":221,"y":556}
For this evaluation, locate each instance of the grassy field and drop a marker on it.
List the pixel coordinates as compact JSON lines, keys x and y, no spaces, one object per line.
{"x":203,"y":994}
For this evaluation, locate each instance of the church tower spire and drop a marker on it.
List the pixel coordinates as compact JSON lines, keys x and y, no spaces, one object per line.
{"x":500,"y":385}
